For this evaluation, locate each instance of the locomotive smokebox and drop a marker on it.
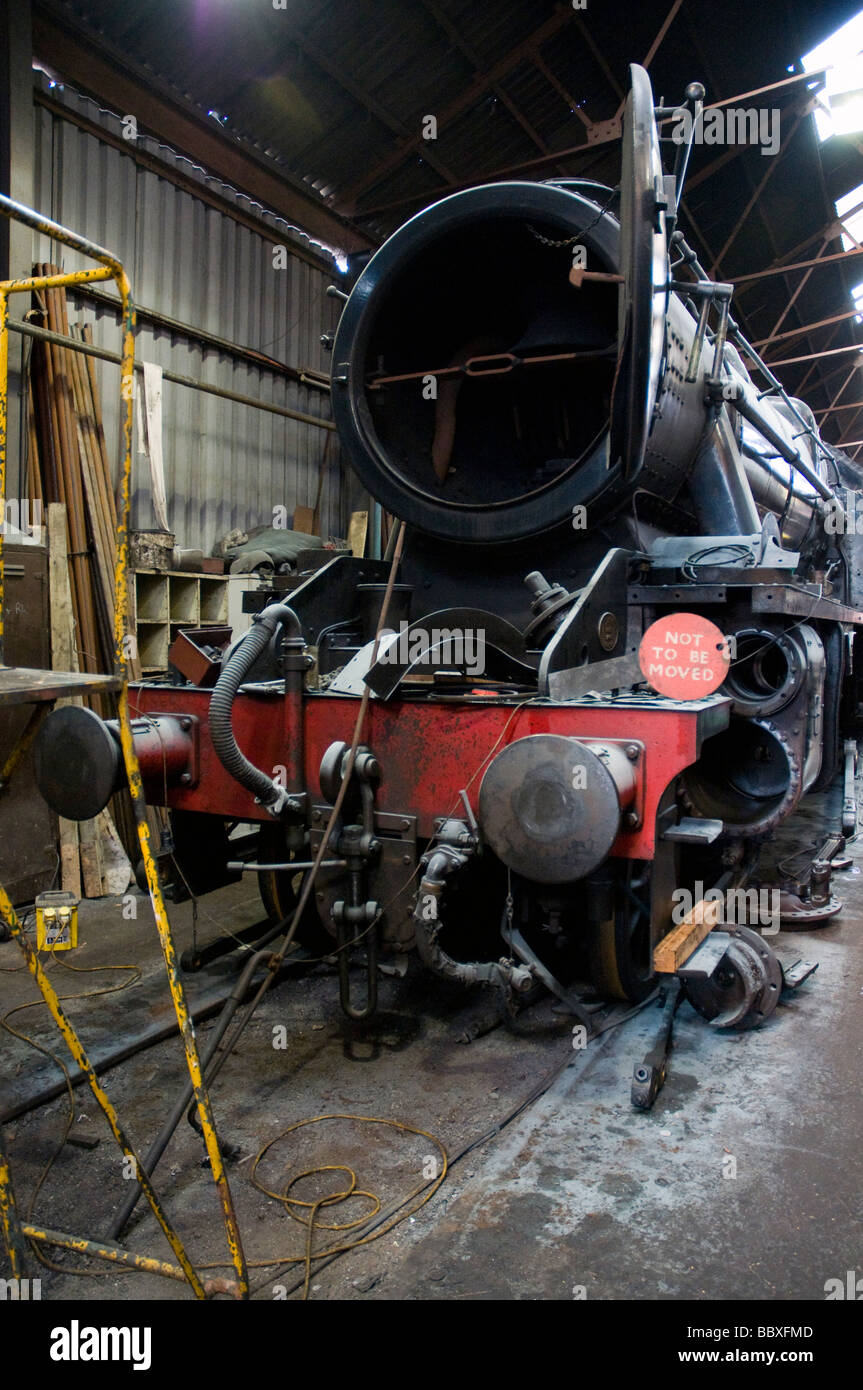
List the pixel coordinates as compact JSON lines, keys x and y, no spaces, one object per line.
{"x":471,"y":379}
{"x":476,"y":360}
{"x":550,"y":807}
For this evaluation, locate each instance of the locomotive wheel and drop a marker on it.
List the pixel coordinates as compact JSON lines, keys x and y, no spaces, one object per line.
{"x":280,"y":892}
{"x":619,"y":949}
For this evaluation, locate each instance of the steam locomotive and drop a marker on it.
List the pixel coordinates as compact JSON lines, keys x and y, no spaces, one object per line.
{"x":541,"y":382}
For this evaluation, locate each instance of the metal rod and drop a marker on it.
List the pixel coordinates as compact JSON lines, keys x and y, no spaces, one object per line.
{"x":782,"y":447}
{"x":12,"y":1233}
{"x":32,"y":330}
{"x":694,"y":106}
{"x":508,"y":362}
{"x":241,"y":867}
{"x":104,"y":1250}
{"x":194,"y":334}
{"x":162,"y":1140}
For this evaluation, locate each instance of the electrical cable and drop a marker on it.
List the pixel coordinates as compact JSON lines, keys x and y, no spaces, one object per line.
{"x":391,"y":1216}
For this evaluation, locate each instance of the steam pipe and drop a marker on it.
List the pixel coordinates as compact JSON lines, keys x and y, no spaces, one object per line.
{"x":782,"y":447}
{"x":443,"y":861}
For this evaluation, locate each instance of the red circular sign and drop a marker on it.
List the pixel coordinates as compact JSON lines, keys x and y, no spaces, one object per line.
{"x":684,"y":656}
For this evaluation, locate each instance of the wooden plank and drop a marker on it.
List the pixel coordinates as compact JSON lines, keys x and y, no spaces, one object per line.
{"x":102,"y":526}
{"x":151,"y":390}
{"x":359,"y":525}
{"x":63,"y":657}
{"x":91,"y":859}
{"x":304,"y":520}
{"x":683,"y":940}
{"x":116,"y":869}
{"x":316,"y":515}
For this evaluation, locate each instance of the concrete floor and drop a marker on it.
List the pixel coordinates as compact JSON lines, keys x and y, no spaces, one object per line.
{"x":579,"y":1196}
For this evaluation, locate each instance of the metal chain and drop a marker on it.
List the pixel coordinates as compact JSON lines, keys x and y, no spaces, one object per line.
{"x":508,"y":913}
{"x":547,"y":241}
{"x":570,"y":241}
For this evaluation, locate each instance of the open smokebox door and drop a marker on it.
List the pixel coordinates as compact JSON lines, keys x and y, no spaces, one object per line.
{"x":644,"y":290}
{"x":471,"y":381}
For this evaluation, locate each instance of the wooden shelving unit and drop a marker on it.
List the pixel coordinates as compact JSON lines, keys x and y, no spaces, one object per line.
{"x":165,"y":603}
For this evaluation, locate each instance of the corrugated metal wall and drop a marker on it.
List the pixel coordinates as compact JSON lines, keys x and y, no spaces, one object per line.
{"x":226,"y":464}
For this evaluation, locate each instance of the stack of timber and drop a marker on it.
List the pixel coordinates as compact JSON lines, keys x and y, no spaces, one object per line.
{"x":70,"y":473}
{"x":73,"y":468}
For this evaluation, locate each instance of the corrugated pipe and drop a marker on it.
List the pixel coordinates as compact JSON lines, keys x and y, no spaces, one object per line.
{"x":266,"y":792}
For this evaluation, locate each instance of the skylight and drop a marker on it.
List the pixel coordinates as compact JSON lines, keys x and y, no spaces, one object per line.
{"x":849,"y":210}
{"x":840,"y":104}
{"x":857,"y":296}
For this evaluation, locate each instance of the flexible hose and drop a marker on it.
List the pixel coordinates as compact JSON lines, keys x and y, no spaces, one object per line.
{"x":238,"y":666}
{"x":499,"y":974}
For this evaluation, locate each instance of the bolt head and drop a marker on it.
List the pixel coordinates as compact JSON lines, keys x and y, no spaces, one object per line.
{"x":632,"y":751}
{"x":186,"y":779}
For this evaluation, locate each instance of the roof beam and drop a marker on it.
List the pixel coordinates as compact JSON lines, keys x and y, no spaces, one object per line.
{"x":832,"y":409}
{"x":777,"y":269}
{"x":654,"y":47}
{"x":456,"y":39}
{"x":463,"y":102}
{"x":527,"y":166}
{"x":757,"y":191}
{"x":801,"y":285}
{"x":364,"y":98}
{"x":806,"y":328}
{"x":825,"y":377}
{"x":565,"y":96}
{"x":817,"y":356}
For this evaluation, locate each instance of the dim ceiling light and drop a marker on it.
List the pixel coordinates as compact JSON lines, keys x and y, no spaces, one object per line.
{"x":840,"y":103}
